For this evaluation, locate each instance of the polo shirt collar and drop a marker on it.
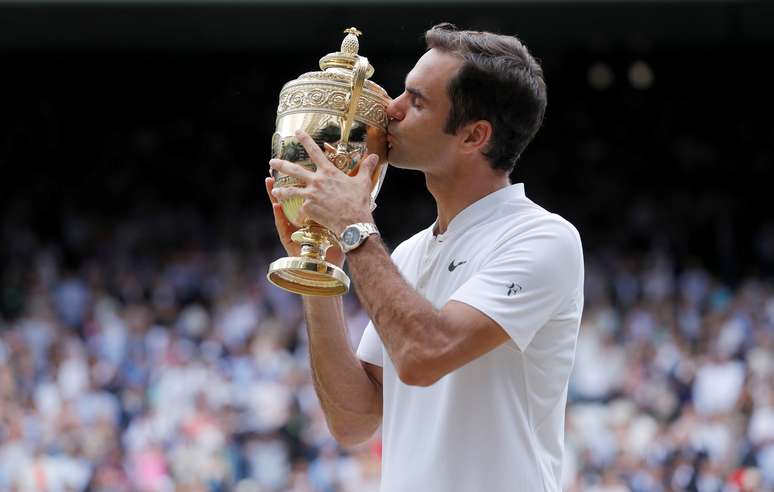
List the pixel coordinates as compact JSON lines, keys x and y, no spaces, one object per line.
{"x":479,"y":210}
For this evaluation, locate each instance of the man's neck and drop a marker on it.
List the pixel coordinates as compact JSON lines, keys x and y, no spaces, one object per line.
{"x":453,"y":194}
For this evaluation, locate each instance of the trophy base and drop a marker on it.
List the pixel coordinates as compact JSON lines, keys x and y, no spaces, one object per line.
{"x":308,"y":277}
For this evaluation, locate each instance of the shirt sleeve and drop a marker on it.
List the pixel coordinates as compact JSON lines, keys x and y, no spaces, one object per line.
{"x":371,"y":349}
{"x":527,"y":279}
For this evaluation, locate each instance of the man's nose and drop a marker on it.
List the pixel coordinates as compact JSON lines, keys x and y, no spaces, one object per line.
{"x":394,"y":111}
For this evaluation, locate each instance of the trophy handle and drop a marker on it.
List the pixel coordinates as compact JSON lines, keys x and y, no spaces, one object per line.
{"x":359,"y":75}
{"x":377,"y":179}
{"x":359,"y":72}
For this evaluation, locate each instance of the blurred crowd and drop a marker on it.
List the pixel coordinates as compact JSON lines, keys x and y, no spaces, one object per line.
{"x":133,"y":363}
{"x":183,"y":371}
{"x":673,"y":385}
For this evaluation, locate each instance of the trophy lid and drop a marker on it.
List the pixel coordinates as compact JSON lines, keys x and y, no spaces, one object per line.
{"x":329,"y":90}
{"x":347,"y":55}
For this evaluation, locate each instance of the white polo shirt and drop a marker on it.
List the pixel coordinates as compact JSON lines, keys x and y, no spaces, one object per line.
{"x":497,"y":423}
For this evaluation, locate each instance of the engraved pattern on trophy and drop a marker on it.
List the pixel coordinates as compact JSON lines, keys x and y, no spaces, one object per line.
{"x":312,"y":98}
{"x":370,"y":108}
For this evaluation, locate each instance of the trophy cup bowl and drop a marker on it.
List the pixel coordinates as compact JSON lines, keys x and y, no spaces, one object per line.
{"x":345,"y":114}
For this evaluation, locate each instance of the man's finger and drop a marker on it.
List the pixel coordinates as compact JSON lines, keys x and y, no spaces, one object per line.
{"x":314,"y":151}
{"x":269,"y":186}
{"x":291,"y":169}
{"x":367,"y":166}
{"x":281,"y":194}
{"x":279,"y":215}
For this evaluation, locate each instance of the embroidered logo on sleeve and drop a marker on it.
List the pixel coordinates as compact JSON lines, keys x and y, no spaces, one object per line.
{"x":514,"y":289}
{"x":452,"y":265}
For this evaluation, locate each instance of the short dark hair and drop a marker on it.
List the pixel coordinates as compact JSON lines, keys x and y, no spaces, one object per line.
{"x":499,"y":81}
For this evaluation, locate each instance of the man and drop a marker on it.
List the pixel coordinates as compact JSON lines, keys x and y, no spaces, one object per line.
{"x":474,"y":320}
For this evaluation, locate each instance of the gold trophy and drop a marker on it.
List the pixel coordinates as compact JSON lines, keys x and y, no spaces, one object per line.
{"x":345,"y":114}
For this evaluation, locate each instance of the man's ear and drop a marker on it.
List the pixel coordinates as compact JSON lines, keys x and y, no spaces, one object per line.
{"x":477,"y":135}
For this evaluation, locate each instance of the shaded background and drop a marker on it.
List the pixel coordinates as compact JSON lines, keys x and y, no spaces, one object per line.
{"x":134,"y":138}
{"x":111,"y":108}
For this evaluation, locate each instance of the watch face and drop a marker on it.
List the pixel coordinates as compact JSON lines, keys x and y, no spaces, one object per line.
{"x":351,"y":236}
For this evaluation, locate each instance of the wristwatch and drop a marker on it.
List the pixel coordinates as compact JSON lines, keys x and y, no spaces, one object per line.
{"x":354,"y":235}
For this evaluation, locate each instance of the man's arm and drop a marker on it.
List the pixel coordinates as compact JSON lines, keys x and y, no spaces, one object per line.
{"x":350,"y":391}
{"x":423,"y":342}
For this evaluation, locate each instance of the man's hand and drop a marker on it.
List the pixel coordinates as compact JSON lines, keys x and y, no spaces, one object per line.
{"x":285,"y":229}
{"x":331,"y":198}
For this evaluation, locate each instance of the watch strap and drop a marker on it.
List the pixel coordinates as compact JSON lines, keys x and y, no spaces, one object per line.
{"x":368,"y":227}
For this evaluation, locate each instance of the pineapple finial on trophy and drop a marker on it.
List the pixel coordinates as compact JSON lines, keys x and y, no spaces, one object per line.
{"x":351,"y":45}
{"x":347,"y":56}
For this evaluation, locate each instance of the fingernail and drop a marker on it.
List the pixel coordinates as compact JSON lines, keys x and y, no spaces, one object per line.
{"x":275,"y":192}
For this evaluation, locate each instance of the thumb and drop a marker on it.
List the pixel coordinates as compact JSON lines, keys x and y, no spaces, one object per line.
{"x":368,"y":165}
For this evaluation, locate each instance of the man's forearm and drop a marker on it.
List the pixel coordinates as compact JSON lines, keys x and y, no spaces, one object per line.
{"x":352,"y":402}
{"x":407,"y":323}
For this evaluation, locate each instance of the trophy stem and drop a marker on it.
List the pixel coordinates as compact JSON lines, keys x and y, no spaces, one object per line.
{"x":309,"y":251}
{"x":314,"y":240}
{"x":309,"y":273}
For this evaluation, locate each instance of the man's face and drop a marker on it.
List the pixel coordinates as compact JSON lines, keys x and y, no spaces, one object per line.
{"x":418,"y":116}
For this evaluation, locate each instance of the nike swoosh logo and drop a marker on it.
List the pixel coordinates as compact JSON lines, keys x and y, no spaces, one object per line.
{"x":452,"y":266}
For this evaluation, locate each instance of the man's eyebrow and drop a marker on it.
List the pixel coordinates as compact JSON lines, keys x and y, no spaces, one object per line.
{"x":416,"y":93}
